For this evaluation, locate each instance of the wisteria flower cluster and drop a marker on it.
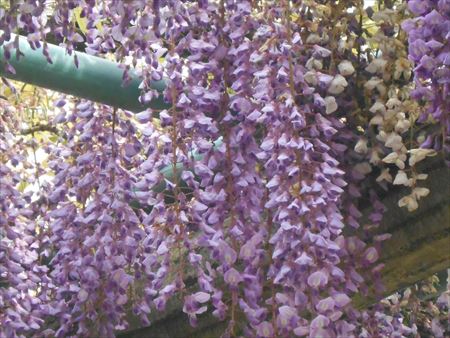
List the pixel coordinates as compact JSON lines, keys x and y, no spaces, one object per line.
{"x":280,"y":116}
{"x":429,"y":49}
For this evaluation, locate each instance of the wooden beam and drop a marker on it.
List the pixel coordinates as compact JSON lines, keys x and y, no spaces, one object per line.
{"x":420,"y":242}
{"x":418,"y":248}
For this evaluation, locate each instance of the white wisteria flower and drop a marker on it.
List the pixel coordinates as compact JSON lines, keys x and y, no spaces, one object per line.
{"x":313,"y":38}
{"x":402,"y":179}
{"x":397,"y":158}
{"x":330,"y":104}
{"x":419,"y":192}
{"x":402,"y":124}
{"x":346,"y":68}
{"x":376,"y":120}
{"x":387,"y":15}
{"x":402,"y":67}
{"x":337,"y":85}
{"x":417,"y":155}
{"x":394,"y":141}
{"x":374,"y":157}
{"x":378,"y":107}
{"x":393,"y":103}
{"x":377,"y":83}
{"x":311,"y":78}
{"x":408,"y":201}
{"x":314,"y":63}
{"x":377,"y":65}
{"x":361,"y":146}
{"x":385,"y":176}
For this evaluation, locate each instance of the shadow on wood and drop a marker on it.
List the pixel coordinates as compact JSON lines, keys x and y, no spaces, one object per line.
{"x":418,"y":248}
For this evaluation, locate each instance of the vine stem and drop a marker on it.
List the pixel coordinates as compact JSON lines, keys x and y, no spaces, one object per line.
{"x":272,"y":286}
{"x":174,"y":136}
{"x":287,"y":17}
{"x":33,"y":145}
{"x":113,"y":146}
{"x":229,"y":164}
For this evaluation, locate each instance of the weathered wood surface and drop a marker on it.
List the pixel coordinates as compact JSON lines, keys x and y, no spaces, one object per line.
{"x":420,"y":242}
{"x":418,"y":248}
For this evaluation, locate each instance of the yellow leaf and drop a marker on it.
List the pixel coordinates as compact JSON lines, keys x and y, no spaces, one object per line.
{"x":230,"y":91}
{"x":53,"y":138}
{"x":22,"y":186}
{"x":210,"y":78}
{"x":7,"y":92}
{"x":82,"y":22}
{"x":99,"y":26}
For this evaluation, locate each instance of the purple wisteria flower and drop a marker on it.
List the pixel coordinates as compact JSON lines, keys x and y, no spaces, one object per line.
{"x":244,"y":182}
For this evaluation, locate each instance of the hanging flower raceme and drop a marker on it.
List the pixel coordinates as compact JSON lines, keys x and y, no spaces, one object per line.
{"x":280,"y":117}
{"x":21,"y":240}
{"x":429,"y":48}
{"x":94,"y":255}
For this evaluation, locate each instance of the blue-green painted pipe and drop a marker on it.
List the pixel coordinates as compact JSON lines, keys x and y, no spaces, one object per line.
{"x":168,"y":171}
{"x":95,"y":79}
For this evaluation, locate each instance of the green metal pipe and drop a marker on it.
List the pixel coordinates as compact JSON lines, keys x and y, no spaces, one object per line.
{"x":168,"y":174}
{"x":95,"y":79}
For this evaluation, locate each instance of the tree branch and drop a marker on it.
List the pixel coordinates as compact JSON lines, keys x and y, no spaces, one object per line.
{"x":38,"y":128}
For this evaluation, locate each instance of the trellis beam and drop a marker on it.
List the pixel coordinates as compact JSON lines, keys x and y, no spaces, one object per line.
{"x":95,"y":79}
{"x":418,"y":248}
